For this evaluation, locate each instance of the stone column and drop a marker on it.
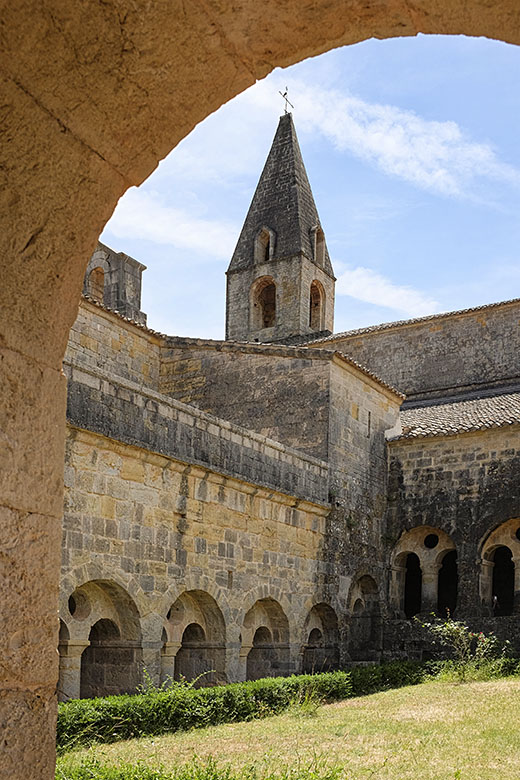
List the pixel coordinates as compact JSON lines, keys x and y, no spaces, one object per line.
{"x":516,"y":601}
{"x":396,"y":590}
{"x":430,"y":582}
{"x":168,"y":653}
{"x":242,"y":662}
{"x":69,"y":685}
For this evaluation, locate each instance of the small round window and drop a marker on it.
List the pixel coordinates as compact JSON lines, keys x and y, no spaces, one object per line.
{"x":431,"y":541}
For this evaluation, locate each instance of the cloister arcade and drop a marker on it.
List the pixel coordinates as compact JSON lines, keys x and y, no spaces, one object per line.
{"x":423,"y":573}
{"x":105,"y":643}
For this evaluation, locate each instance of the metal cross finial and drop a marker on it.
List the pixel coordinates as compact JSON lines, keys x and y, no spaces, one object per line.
{"x":287,"y":101}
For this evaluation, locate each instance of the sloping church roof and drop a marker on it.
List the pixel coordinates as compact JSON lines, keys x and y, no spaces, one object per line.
{"x":283,"y":202}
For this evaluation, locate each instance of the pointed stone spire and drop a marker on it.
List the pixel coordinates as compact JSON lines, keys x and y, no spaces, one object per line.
{"x":280,"y":282}
{"x":283,"y":202}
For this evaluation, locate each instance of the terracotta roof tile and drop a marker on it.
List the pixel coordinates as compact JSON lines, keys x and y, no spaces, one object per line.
{"x":460,"y":416}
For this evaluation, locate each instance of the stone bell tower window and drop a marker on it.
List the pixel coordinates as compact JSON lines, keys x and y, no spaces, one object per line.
{"x":318,"y":242}
{"x":96,"y":284}
{"x":263,"y":303}
{"x":264,"y":246}
{"x":316,"y":306}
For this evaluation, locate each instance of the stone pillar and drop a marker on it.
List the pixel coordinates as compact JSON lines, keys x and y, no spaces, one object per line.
{"x":168,"y":653}
{"x":516,"y":599}
{"x":396,"y":590}
{"x":430,"y":582}
{"x":69,"y":685}
{"x":242,"y":662}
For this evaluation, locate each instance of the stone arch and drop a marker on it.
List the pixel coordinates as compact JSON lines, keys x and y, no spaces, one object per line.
{"x":263,"y":303}
{"x":93,"y":572}
{"x":96,"y":276}
{"x":320,"y":649}
{"x":414,"y":570}
{"x":364,"y":628}
{"x":103,"y":653}
{"x":264,"y":245}
{"x":195,"y":633}
{"x":316,"y":306}
{"x":500,"y":569}
{"x":265,"y":640}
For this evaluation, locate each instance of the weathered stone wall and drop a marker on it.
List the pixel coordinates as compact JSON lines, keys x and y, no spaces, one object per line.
{"x":281,"y":393}
{"x":360,"y":413}
{"x":157,"y":527}
{"x":454,"y":351}
{"x":466,"y":486}
{"x":129,"y":413}
{"x":100,"y":338}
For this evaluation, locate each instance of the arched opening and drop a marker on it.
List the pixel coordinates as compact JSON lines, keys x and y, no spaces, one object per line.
{"x":264,"y":246}
{"x":364,"y":640}
{"x":448,"y":580}
{"x":195,"y":624}
{"x":321,"y":648}
{"x":111,"y":664}
{"x":319,"y":246}
{"x":412,"y":586}
{"x":267,"y":630}
{"x":264,"y":303}
{"x":96,"y":284}
{"x":503,"y":581}
{"x":108,"y":664}
{"x":316,"y":306}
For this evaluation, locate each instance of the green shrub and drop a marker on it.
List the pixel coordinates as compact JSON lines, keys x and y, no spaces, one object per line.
{"x":181,"y":707}
{"x":474,"y":655}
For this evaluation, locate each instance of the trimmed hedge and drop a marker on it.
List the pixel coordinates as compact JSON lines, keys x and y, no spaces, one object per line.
{"x":180,"y":707}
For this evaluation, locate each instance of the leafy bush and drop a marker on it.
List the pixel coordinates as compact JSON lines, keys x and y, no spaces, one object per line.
{"x":474,"y":654}
{"x":180,"y":707}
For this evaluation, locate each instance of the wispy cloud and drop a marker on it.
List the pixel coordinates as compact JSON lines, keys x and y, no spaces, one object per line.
{"x":370,"y":287}
{"x":143,"y":215}
{"x":435,"y":155}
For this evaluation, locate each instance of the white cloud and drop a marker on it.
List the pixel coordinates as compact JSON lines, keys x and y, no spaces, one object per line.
{"x":142,"y":215}
{"x":434,"y":155}
{"x":370,"y":287}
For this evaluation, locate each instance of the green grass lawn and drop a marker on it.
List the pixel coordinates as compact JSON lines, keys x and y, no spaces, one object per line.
{"x":434,"y":731}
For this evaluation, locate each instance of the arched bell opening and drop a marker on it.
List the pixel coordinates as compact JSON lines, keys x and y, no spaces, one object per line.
{"x":316,"y":306}
{"x":263,"y":303}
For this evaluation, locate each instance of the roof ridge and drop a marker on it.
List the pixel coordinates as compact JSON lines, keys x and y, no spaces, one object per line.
{"x":413,"y":320}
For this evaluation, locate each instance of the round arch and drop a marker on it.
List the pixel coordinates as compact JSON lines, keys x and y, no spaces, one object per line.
{"x":499,"y":582}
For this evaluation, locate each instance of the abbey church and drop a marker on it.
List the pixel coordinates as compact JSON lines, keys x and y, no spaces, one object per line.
{"x":287,"y":499}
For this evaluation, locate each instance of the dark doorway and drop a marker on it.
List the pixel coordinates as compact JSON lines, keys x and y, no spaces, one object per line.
{"x":447,"y":585}
{"x":412,"y":586}
{"x":503,"y":582}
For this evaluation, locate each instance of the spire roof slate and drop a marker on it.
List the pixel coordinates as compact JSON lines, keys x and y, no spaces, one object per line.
{"x":283,"y":202}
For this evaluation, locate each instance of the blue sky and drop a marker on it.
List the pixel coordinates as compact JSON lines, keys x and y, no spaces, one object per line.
{"x":412,"y":150}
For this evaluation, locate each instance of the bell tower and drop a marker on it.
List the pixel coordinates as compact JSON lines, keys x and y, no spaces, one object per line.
{"x":280,"y":282}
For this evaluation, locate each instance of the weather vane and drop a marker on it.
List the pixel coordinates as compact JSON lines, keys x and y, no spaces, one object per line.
{"x":287,"y":101}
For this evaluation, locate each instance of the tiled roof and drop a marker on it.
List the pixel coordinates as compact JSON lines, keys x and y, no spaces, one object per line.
{"x":413,"y":321}
{"x":459,"y":416}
